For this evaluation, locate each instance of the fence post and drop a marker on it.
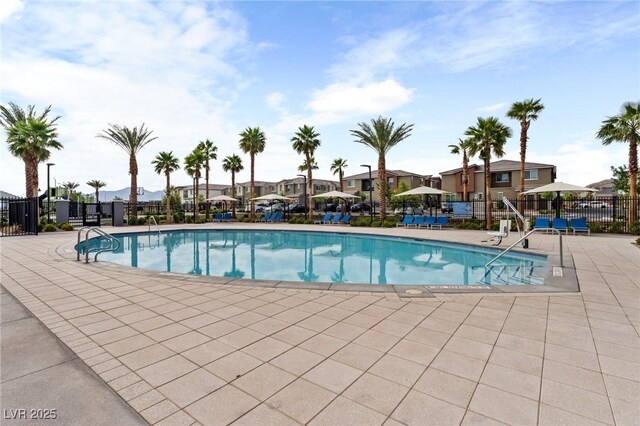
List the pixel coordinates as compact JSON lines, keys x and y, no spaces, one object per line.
{"x":614,"y":202}
{"x":62,"y":211}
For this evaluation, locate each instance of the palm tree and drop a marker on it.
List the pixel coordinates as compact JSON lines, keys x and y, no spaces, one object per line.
{"x":381,"y":136}
{"x":210,"y":152}
{"x":305,"y":166}
{"x":486,"y":137}
{"x":71,"y":186}
{"x":525,"y":112}
{"x":463,"y":147}
{"x":252,"y":142}
{"x":132,"y":141}
{"x":193,"y":164}
{"x":31,"y":138}
{"x":233,"y":164}
{"x":167,"y":163}
{"x":306,"y":141}
{"x":96,"y":185}
{"x":338,"y":167}
{"x":625,"y":127}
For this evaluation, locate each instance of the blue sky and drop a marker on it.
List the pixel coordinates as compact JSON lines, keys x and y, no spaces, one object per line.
{"x":195,"y":70}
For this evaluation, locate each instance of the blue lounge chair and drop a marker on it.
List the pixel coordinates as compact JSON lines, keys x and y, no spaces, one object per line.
{"x":217,"y":217}
{"x":346,"y":219}
{"x":541,"y":223}
{"x":580,"y":225}
{"x":428,"y":221}
{"x":405,"y":222}
{"x":265,"y":218}
{"x":419,"y":220}
{"x":326,"y":219}
{"x":278,"y":217}
{"x":560,"y":224}
{"x":440,"y":222}
{"x":226,"y":217}
{"x":336,"y":219}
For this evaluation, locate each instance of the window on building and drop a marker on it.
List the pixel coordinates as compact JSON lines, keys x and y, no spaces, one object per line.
{"x":351,"y":183}
{"x":185,"y":194}
{"x":531,"y":174}
{"x":390,"y":180}
{"x":502,"y":177}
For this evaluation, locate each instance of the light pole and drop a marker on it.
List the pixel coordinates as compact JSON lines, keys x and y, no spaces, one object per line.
{"x":370,"y":190}
{"x":49,"y":191}
{"x":304,"y":189}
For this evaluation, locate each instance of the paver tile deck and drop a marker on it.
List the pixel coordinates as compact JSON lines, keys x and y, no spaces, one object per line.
{"x":182,"y":349}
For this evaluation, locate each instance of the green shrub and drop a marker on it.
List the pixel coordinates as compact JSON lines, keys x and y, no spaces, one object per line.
{"x":596,"y":227}
{"x":634,"y":229}
{"x":49,"y":227}
{"x":389,"y":223}
{"x":308,"y":222}
{"x":201,"y":220}
{"x":376,"y":224}
{"x":616,"y":228}
{"x":132,"y":221}
{"x":638,"y":241}
{"x":66,"y":227}
{"x":177,"y":217}
{"x":188,"y":219}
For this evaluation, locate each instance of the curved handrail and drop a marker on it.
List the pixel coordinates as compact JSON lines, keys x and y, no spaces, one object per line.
{"x":114,"y":243}
{"x":525,"y":236}
{"x":155,"y":222}
{"x":78,"y":245}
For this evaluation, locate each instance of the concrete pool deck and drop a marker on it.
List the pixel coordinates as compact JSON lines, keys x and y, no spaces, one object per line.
{"x":182,"y":351}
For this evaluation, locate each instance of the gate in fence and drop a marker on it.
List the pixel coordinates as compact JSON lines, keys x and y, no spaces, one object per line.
{"x":18,"y":216}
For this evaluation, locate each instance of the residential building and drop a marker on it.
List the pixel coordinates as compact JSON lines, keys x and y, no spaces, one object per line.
{"x":360,"y":183}
{"x":505,"y":179}
{"x":243,"y":190}
{"x":187,"y":192}
{"x":604,"y":188}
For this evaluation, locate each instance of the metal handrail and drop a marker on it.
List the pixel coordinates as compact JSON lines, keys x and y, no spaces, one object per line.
{"x":525,"y":236}
{"x":114,"y":243}
{"x":155,"y":222}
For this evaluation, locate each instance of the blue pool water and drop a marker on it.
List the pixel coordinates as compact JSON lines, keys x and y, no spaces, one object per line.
{"x":324,"y":257}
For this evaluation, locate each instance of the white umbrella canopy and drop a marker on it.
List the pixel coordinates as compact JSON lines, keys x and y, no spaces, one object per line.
{"x":559,"y":187}
{"x":335,"y":194}
{"x":272,"y":197}
{"x":422,"y":190}
{"x":222,"y":198}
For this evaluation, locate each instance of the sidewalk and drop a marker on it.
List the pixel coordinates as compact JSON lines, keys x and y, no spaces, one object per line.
{"x":44,"y":382}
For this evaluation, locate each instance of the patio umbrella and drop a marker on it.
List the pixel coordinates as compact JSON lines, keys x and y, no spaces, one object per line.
{"x":422,"y":190}
{"x":272,"y":197}
{"x":335,"y":194}
{"x":222,"y":198}
{"x":559,"y":187}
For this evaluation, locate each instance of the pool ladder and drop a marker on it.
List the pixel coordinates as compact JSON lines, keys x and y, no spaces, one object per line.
{"x":155,"y":222}
{"x":114,"y":243}
{"x":525,"y":236}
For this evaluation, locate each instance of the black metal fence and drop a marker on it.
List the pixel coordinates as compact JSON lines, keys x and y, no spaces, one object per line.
{"x":18,"y":216}
{"x":602,"y":213}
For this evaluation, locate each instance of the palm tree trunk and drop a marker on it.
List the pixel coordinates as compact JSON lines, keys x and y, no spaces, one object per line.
{"x":196,"y":204}
{"x":465,"y":176}
{"x":133,"y":194}
{"x":97,"y":195}
{"x":168,"y":195}
{"x":382,"y":187}
{"x":28,"y":177}
{"x":523,"y":156}
{"x":206,"y":191}
{"x":344,"y":205}
{"x":633,"y":181}
{"x":252,"y":214}
{"x":233,"y":193}
{"x":309,"y":187}
{"x":487,"y":188}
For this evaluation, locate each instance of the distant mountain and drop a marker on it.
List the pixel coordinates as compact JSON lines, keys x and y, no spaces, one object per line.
{"x":124,"y":194}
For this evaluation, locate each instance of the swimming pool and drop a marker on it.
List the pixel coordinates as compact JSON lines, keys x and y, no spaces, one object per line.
{"x":323,"y":257}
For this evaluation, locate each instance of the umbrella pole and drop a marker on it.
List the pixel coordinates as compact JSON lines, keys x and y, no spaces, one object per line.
{"x":557,"y":204}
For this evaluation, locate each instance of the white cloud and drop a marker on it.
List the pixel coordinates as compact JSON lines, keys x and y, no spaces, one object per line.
{"x":348,"y":100}
{"x":9,"y":8}
{"x":275,"y":99}
{"x":492,"y":108}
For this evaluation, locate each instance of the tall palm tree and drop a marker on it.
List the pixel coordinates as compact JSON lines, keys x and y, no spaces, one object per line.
{"x":167,"y":163}
{"x":193,"y":165}
{"x":210,"y":152}
{"x":306,"y":141}
{"x":381,"y":136}
{"x":131,"y":141}
{"x":252,"y":142}
{"x":71,"y":186}
{"x":625,"y":128}
{"x":31,"y":137}
{"x":488,"y":137}
{"x":305,"y":166}
{"x":233,"y":164}
{"x":463,"y":148}
{"x":525,"y":112}
{"x":96,"y":185}
{"x":338,"y":167}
